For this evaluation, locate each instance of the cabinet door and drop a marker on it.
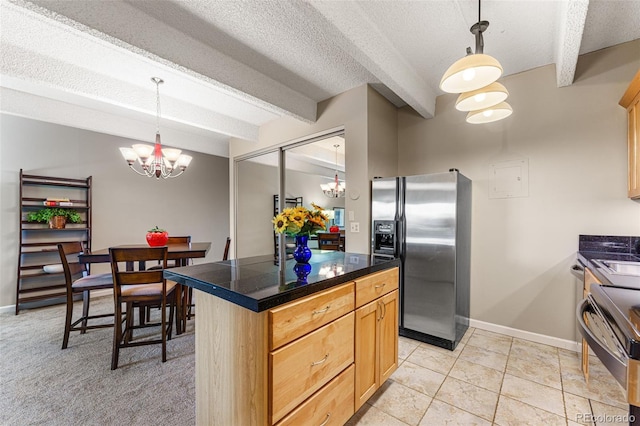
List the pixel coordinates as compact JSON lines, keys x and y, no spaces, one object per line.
{"x":366,"y":328}
{"x":388,"y":344}
{"x":634,"y":149}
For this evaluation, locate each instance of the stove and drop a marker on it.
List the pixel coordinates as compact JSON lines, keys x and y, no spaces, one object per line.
{"x":609,"y":320}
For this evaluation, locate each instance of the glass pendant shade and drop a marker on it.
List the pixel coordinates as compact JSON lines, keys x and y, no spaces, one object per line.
{"x":482,"y":98}
{"x":471,"y":73}
{"x":487,"y":115}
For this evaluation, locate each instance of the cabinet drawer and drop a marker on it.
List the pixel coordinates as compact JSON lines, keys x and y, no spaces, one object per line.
{"x":375,"y":285}
{"x":302,"y":367}
{"x":331,"y":405}
{"x":300,"y":317}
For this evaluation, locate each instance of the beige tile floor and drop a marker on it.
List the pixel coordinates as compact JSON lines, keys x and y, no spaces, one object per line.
{"x":493,"y":379}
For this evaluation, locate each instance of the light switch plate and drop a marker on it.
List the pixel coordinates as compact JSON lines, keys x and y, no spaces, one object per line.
{"x":352,"y":216}
{"x":355,"y":227}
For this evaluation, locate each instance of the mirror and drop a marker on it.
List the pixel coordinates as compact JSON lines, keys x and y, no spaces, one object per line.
{"x":311,"y":165}
{"x":257,"y":181}
{"x":308,"y":166}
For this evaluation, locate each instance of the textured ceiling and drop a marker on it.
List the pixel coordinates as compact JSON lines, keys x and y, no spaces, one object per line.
{"x":231,"y":66}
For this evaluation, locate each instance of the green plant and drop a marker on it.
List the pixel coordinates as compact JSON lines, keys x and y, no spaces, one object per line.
{"x":156,"y":229}
{"x":44,"y":215}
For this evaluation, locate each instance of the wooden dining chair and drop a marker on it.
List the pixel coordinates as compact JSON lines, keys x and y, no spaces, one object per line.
{"x":140,"y":289}
{"x":329,"y":241}
{"x":78,"y":282}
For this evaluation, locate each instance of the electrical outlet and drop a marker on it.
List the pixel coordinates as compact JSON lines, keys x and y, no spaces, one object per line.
{"x":355,"y":227}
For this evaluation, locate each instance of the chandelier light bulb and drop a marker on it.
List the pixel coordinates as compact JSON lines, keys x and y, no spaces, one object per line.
{"x":480,"y":97}
{"x":468,"y":74}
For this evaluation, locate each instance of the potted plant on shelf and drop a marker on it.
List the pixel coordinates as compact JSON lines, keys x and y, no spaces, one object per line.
{"x":56,"y":217}
{"x":157,"y":237}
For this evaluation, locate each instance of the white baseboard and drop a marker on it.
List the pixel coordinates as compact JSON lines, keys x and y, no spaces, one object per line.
{"x":527,"y":335}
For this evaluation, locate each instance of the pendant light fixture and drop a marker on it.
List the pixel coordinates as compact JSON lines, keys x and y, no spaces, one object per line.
{"x":154,"y":160}
{"x":492,"y":113}
{"x":335,"y":189}
{"x":482,"y":98}
{"x":474,"y":77}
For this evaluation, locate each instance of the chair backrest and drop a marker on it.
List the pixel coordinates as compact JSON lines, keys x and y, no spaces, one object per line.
{"x":179,"y":240}
{"x":225,"y":255}
{"x":329,"y":241}
{"x":69,"y":258}
{"x":130,"y":254}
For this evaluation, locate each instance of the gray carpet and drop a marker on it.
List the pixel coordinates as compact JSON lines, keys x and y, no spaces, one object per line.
{"x":43,"y":384}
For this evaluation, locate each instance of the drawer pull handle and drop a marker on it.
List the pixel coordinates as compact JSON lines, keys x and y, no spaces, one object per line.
{"x":321,"y":361}
{"x":380,"y":286}
{"x":321,"y":311}
{"x":326,"y":420}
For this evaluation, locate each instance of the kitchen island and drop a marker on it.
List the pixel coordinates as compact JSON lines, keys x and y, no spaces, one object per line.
{"x":273,"y":348}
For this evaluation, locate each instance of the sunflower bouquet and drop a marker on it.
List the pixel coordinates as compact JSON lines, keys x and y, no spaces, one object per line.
{"x":297,"y":221}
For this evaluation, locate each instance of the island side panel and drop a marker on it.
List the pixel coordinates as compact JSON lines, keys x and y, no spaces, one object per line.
{"x":231,"y":363}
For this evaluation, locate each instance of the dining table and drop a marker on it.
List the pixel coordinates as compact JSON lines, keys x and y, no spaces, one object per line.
{"x":181,"y":253}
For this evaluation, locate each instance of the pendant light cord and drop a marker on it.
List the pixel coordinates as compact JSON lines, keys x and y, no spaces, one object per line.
{"x":157,"y":107}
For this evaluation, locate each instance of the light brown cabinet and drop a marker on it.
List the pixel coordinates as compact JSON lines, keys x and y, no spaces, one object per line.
{"x":376,"y":332}
{"x":631,"y":101}
{"x":295,"y":363}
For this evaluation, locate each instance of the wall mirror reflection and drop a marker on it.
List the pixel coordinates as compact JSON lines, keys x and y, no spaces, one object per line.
{"x":315,"y":173}
{"x":310,"y":167}
{"x":257,"y":180}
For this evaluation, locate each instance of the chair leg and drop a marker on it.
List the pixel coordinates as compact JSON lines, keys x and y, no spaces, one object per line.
{"x":117,"y":335}
{"x":85,"y":310}
{"x":190,"y":303}
{"x":128,"y":328}
{"x":170,"y":326}
{"x":67,"y":321}
{"x":164,"y":329}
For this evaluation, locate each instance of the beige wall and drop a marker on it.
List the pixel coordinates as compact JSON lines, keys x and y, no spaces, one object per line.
{"x":575,"y":141}
{"x":125,"y":205}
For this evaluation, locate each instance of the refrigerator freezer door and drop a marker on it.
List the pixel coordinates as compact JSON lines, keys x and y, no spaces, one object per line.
{"x":384,"y":199}
{"x":429,"y":292}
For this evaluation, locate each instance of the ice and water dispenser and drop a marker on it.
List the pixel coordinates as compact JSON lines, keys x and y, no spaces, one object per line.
{"x":385,"y":238}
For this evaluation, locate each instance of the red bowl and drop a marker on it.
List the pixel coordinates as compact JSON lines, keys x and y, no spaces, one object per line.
{"x":157,"y":239}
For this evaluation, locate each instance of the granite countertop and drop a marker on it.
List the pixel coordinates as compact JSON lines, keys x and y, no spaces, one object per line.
{"x":596,"y":247}
{"x":255,"y":283}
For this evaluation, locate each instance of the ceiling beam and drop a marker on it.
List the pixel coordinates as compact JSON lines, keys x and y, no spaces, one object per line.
{"x":351,"y":29}
{"x":572,"y":19}
{"x":120,"y":24}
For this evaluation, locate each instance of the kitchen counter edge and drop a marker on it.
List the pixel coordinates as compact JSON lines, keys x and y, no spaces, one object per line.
{"x":281,"y":298}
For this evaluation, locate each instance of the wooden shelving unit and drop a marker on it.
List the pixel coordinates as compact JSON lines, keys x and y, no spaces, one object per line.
{"x":38,"y":243}
{"x":288,"y":202}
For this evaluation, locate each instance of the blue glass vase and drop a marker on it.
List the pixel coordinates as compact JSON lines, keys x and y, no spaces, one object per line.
{"x":302,"y":253}
{"x":302,"y":270}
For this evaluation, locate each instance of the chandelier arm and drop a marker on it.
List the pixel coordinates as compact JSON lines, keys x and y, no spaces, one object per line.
{"x":169,"y":176}
{"x":140,"y":173}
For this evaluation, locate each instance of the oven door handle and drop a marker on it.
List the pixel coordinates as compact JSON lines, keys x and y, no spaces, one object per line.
{"x":611,"y":360}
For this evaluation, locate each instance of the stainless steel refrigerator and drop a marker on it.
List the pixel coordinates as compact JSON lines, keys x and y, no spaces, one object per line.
{"x":425,"y":221}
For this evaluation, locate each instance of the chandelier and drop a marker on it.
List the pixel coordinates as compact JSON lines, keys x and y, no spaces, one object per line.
{"x":154,"y":160}
{"x":474,"y":77}
{"x":335,"y":189}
